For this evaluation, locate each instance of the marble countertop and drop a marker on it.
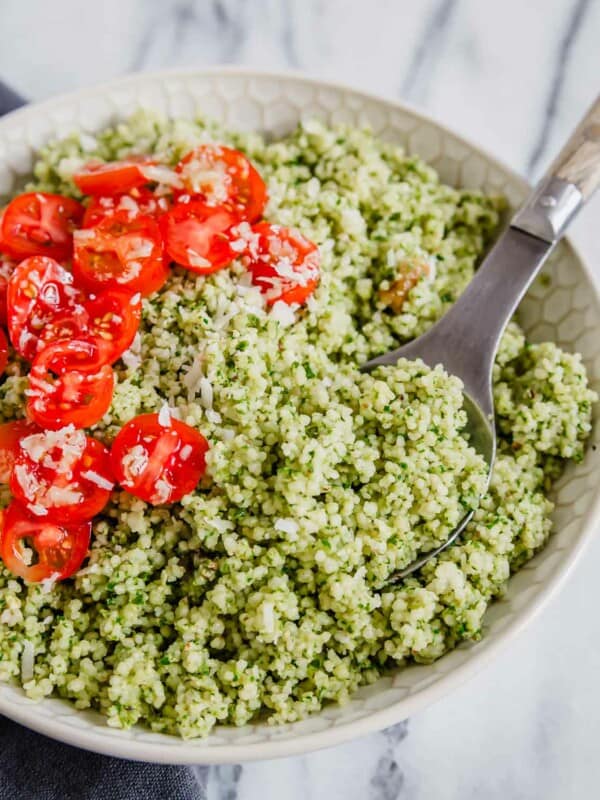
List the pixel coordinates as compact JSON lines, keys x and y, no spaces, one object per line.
{"x":513,"y":76}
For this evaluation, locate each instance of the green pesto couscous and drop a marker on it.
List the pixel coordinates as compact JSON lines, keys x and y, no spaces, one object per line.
{"x":264,"y":594}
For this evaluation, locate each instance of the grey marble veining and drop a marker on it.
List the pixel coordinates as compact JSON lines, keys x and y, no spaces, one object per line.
{"x":513,"y":76}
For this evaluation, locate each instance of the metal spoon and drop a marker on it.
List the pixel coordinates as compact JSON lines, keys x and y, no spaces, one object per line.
{"x":466,"y":339}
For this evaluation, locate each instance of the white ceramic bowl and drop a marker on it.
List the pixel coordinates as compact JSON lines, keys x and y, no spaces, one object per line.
{"x":566,"y":311}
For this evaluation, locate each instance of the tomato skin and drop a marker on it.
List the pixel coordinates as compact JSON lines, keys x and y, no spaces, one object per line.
{"x":137,"y":202}
{"x":38,"y":291}
{"x":10,"y":435}
{"x":111,"y":319}
{"x":120,"y":253}
{"x":197,"y":236}
{"x":274,"y":244}
{"x":81,"y":393}
{"x":219,"y":175}
{"x":60,"y":549}
{"x":40,"y":224}
{"x":44,"y":471}
{"x":168,"y":470}
{"x":113,"y":177}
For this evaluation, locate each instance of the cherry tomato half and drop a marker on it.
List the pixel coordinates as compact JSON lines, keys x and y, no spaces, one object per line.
{"x":138,"y":202}
{"x":197,"y":236}
{"x":40,"y":224}
{"x":160,"y":463}
{"x":111,"y":319}
{"x":63,"y":476}
{"x":10,"y":435}
{"x":37,"y":550}
{"x":113,"y":177}
{"x":69,"y":384}
{"x":39,"y":290}
{"x":120,"y":253}
{"x":284,"y":264}
{"x":219,"y":176}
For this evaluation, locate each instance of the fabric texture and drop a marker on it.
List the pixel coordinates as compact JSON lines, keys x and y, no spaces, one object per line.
{"x":33,"y":767}
{"x":9,"y":99}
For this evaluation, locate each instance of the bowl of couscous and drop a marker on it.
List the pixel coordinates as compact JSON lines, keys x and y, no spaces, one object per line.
{"x":239,"y":606}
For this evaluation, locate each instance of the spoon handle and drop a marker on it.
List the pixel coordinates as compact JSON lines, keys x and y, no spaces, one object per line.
{"x":570,"y":181}
{"x":579,"y":160}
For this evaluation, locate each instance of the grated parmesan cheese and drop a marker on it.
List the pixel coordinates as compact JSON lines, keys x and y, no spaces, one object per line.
{"x":186,"y":452}
{"x":140,"y":248}
{"x":129,"y":205}
{"x":161,"y":174}
{"x":27,"y":661}
{"x":192,"y":377}
{"x":63,"y":496}
{"x":48,"y":583}
{"x":94,"y":477}
{"x":196,"y":260}
{"x":284,"y":313}
{"x":134,"y":463}
{"x":206,"y":392}
{"x":162,"y":490}
{"x":132,"y":358}
{"x":164,"y":416}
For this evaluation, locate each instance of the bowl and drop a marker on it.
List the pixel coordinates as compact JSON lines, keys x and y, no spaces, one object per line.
{"x":565,"y":309}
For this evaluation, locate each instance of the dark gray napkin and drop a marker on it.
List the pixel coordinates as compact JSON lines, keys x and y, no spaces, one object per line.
{"x":35,"y":768}
{"x":9,"y":100}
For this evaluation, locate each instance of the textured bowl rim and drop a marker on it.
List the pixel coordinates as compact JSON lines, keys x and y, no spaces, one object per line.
{"x":197,"y":751}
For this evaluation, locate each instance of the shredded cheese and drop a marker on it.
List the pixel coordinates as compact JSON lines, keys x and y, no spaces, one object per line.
{"x":27,"y":661}
{"x":206,"y":392}
{"x":164,"y":416}
{"x":95,"y":477}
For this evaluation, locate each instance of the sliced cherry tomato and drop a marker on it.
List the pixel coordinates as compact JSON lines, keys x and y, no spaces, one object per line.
{"x":63,"y":476}
{"x":39,"y":290}
{"x":37,"y":550}
{"x":10,"y":435}
{"x":111,"y":319}
{"x":69,"y":384}
{"x":158,"y":460}
{"x":113,"y":177}
{"x":138,"y":202}
{"x":197,"y":236}
{"x":120,"y":253}
{"x":40,"y":224}
{"x":284,"y":264}
{"x":221,"y":176}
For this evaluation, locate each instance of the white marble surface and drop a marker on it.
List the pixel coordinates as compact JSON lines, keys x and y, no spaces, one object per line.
{"x":513,"y":76}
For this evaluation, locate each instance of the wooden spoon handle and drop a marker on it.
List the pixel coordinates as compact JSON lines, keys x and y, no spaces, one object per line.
{"x":569,"y":183}
{"x":579,"y":160}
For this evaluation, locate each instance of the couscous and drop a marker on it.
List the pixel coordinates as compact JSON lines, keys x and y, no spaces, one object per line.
{"x":264,"y":592}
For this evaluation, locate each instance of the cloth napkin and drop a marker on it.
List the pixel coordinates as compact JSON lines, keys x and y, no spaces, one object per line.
{"x":35,"y":768}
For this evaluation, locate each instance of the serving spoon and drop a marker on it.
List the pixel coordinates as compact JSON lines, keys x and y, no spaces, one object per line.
{"x":465,"y":340}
